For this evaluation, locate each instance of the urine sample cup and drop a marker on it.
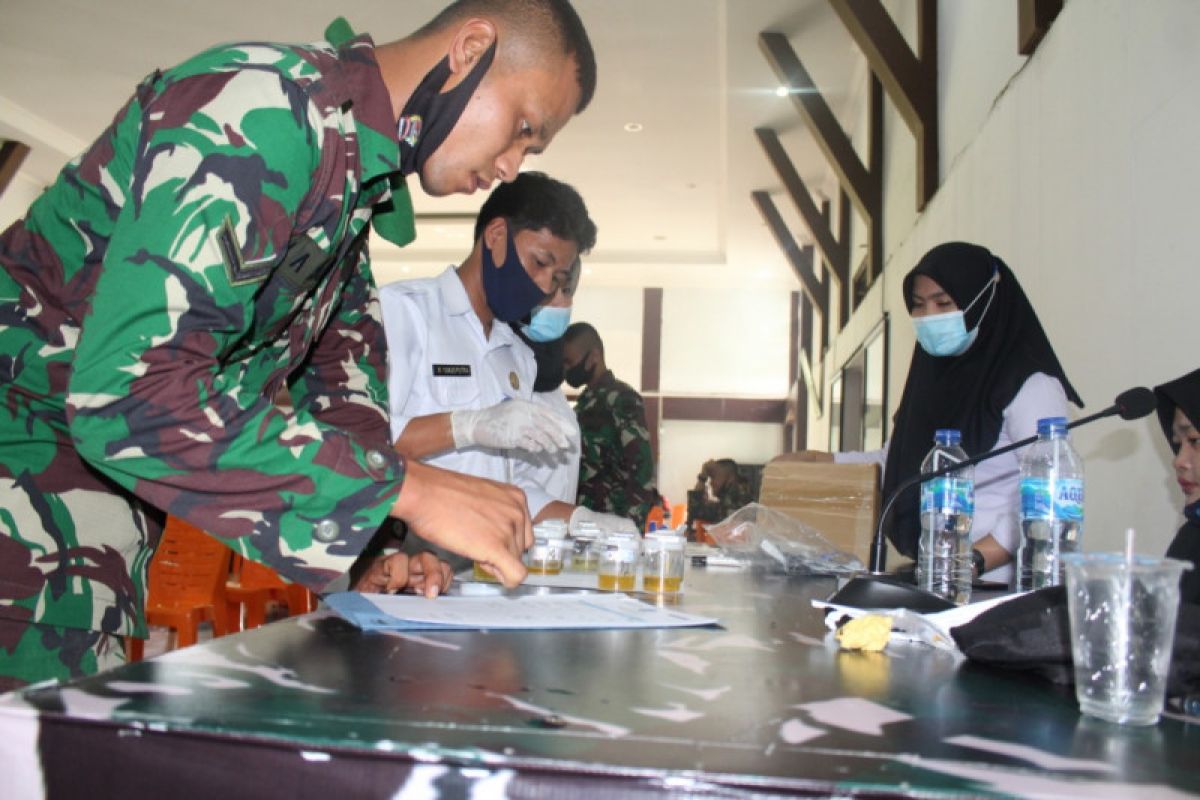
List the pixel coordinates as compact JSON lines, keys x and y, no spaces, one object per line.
{"x":618,"y":562}
{"x":662,"y":563}
{"x":586,"y":544}
{"x":546,"y":555}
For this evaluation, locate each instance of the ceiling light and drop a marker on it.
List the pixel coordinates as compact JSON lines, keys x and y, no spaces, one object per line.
{"x":781,"y":91}
{"x":633,"y":127}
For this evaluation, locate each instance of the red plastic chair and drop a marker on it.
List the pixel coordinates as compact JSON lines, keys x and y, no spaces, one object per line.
{"x":185,"y":585}
{"x":252,"y":586}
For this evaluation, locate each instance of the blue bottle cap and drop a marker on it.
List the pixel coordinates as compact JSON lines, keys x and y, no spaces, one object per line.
{"x":947,"y":437}
{"x":1048,"y":426}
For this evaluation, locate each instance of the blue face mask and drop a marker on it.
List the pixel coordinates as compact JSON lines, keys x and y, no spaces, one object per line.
{"x":946,"y":334}
{"x":510,"y":292}
{"x":547,"y":323}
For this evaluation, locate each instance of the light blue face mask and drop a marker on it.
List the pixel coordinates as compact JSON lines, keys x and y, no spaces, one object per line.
{"x":947,"y":334}
{"x":547,"y":323}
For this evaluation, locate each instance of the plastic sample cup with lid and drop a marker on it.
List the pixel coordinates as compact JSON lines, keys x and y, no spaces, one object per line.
{"x":662,"y":563}
{"x":619,"y":562}
{"x":586,"y":543}
{"x":549,"y":547}
{"x":1122,"y":614}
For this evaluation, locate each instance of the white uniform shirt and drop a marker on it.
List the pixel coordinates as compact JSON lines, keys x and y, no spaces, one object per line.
{"x":439,"y":361}
{"x":997,"y":480}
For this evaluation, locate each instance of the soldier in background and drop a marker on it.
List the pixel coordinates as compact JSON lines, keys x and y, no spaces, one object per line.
{"x":206,"y":251}
{"x":616,"y":467}
{"x":720,"y":490}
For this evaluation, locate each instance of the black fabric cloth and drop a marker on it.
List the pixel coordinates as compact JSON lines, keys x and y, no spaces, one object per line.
{"x":549,"y":358}
{"x":1032,"y":633}
{"x":969,"y":391}
{"x":1184,"y":394}
{"x":1186,"y":547}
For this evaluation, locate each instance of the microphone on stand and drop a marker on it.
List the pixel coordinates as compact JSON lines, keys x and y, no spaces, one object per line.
{"x":1130,"y":404}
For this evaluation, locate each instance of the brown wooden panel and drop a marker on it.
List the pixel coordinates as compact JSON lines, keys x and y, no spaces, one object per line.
{"x":724,"y":409}
{"x":12,"y":154}
{"x":652,"y":303}
{"x":1034,"y":18}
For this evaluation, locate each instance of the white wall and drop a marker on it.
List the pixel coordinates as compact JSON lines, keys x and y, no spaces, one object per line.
{"x":1078,"y":167}
{"x":715,"y":343}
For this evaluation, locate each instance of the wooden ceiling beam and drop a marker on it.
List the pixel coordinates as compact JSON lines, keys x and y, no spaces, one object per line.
{"x":801,"y":258}
{"x":910,"y":79}
{"x":836,"y":253}
{"x":861,"y":184}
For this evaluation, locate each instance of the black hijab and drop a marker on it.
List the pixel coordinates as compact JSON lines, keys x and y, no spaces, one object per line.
{"x":1184,"y":394}
{"x":969,"y":391}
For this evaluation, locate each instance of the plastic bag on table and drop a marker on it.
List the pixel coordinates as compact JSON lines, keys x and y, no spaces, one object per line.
{"x":760,"y":536}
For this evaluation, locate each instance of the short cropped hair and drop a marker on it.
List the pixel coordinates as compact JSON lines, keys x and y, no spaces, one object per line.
{"x":585,"y":334}
{"x":548,"y":21}
{"x":535,"y":201}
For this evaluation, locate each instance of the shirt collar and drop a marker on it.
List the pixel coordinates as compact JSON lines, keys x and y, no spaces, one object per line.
{"x":379,"y":150}
{"x":457,"y":303}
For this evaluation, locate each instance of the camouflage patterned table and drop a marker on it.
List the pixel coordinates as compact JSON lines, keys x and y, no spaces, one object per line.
{"x":311,"y":707}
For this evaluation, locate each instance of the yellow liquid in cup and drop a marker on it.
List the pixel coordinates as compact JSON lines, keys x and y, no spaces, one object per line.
{"x":545,"y":568}
{"x":615,"y":583}
{"x":658,"y":584}
{"x":481,"y":574}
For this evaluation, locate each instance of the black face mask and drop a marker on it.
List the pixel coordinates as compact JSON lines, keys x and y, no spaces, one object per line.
{"x":579,"y":374}
{"x":549,"y":357}
{"x":430,"y":114}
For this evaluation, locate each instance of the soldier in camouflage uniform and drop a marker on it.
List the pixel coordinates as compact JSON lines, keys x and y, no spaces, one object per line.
{"x":616,"y":467}
{"x":730,"y":490}
{"x":208,"y":250}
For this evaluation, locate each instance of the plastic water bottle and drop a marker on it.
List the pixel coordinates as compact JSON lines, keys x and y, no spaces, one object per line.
{"x":1051,"y":506}
{"x":947,"y":505}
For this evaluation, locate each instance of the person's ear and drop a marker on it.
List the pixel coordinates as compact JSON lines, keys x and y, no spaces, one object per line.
{"x":495,"y":238}
{"x":470,"y":42}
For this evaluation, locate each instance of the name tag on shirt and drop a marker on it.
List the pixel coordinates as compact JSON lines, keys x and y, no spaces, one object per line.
{"x":452,"y":370}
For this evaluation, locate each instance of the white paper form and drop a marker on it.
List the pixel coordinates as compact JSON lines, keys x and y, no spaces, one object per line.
{"x":522,"y":612}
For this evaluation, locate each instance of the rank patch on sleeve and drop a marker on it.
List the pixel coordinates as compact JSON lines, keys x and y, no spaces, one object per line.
{"x":452,"y":370}
{"x":238,"y":271}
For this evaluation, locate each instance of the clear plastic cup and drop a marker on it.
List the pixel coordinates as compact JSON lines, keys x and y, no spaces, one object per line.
{"x":662,"y":563}
{"x":619,"y":562}
{"x":1122,"y":615}
{"x":546,"y":555}
{"x":586,"y":544}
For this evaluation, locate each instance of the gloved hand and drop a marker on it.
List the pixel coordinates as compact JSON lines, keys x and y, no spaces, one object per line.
{"x":511,"y":424}
{"x":607,"y":523}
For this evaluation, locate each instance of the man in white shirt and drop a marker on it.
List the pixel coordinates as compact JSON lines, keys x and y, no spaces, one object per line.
{"x":460,"y":379}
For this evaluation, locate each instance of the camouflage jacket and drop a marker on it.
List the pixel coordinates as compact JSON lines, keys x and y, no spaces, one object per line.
{"x":205,"y":252}
{"x":730,"y":498}
{"x":616,"y":467}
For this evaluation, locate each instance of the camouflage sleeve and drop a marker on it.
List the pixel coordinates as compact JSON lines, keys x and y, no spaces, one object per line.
{"x":166,"y":395}
{"x":637,"y":459}
{"x":344,"y":384}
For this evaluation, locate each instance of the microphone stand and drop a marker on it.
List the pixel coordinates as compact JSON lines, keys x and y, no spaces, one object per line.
{"x":879,"y":542}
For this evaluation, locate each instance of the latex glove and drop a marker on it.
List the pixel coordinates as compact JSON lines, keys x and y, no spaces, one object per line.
{"x":607,"y":523}
{"x":519,"y":424}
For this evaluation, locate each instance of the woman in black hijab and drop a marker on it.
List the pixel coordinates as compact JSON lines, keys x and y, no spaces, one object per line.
{"x":983,"y":365}
{"x":979,"y":344}
{"x":1179,"y":413}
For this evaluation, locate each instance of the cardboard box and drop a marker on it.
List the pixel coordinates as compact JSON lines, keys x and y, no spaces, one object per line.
{"x":840,"y":500}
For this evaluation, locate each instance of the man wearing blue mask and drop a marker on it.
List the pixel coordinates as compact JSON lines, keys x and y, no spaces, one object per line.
{"x":460,"y":378}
